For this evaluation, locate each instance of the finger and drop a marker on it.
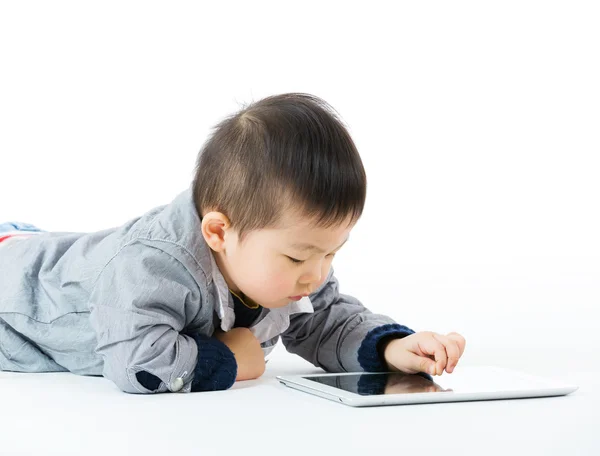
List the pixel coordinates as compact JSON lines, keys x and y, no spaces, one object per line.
{"x":418,"y":363}
{"x":431,"y":346}
{"x":460,"y":340}
{"x":452,"y":350}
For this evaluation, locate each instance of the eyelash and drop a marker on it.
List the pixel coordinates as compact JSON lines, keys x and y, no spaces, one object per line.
{"x":293,"y":260}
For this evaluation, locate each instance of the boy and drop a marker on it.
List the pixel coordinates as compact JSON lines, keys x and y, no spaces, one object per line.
{"x":193,"y":295}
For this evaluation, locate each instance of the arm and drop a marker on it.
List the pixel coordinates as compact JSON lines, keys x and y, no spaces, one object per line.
{"x":341,"y":335}
{"x":248,"y":353}
{"x":138,"y":309}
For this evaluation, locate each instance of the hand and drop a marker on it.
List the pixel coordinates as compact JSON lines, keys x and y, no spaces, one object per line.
{"x":248,"y":353}
{"x":425,"y":352}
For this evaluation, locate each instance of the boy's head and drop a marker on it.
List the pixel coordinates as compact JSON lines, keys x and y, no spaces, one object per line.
{"x":281,"y":171}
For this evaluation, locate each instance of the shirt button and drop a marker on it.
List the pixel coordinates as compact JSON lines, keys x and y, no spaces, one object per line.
{"x":177,"y":384}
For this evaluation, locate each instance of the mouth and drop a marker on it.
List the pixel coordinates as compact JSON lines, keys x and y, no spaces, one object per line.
{"x":297,"y":298}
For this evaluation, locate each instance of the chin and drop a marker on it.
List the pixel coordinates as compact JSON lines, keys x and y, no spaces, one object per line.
{"x":277,"y":304}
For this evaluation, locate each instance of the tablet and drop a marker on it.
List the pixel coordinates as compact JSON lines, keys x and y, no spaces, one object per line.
{"x":470,"y":383}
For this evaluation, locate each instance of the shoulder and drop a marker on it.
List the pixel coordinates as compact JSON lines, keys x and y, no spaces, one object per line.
{"x":173,"y":229}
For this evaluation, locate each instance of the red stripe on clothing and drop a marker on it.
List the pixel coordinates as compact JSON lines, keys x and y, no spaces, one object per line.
{"x":2,"y":238}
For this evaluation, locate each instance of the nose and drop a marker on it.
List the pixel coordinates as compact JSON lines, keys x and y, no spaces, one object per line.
{"x":312,"y":279}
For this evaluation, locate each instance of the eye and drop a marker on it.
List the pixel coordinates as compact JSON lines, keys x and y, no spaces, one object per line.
{"x":293,"y":260}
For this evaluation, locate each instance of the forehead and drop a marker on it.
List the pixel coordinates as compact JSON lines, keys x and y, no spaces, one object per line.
{"x":304,"y":234}
{"x":308,"y":247}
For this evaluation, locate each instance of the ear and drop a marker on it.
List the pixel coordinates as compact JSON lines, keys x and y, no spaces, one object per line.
{"x":214,"y":230}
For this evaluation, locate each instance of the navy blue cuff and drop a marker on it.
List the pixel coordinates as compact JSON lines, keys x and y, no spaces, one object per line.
{"x":148,"y":380}
{"x":369,"y":356}
{"x":216,"y":368}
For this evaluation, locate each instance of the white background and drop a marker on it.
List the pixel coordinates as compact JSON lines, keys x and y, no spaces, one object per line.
{"x":478,"y":124}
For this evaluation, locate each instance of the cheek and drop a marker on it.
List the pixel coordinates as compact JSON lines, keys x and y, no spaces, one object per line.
{"x":276,"y":280}
{"x":268,"y":277}
{"x":283,"y":279}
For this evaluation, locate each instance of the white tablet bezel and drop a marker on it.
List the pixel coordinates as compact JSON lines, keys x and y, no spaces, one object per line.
{"x":550,"y":387}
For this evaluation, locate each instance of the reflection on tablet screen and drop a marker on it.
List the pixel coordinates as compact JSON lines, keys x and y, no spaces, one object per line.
{"x":384,"y":383}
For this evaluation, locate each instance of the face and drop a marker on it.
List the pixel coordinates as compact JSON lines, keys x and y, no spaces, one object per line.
{"x":272,"y":265}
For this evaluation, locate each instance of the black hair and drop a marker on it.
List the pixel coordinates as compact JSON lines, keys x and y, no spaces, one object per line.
{"x":288,"y":152}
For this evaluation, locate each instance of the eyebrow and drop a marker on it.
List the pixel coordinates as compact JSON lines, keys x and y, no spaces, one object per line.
{"x":303,"y":246}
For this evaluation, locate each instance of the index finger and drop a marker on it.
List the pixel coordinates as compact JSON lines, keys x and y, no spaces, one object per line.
{"x":434,"y":347}
{"x":452,"y":349}
{"x":460,"y":340}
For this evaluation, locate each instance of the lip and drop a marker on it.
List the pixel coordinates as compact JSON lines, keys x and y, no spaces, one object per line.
{"x":296,"y":298}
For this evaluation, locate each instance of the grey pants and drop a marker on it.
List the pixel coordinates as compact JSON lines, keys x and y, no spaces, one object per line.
{"x":26,"y":345}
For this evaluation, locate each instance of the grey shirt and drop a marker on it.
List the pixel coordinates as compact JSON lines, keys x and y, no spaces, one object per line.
{"x":124,"y":300}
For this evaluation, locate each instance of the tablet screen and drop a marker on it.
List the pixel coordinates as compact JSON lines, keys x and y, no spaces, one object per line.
{"x":384,"y":383}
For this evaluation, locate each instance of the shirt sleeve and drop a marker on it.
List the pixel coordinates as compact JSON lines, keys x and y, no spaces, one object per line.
{"x":339,"y":329}
{"x":138,"y":310}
